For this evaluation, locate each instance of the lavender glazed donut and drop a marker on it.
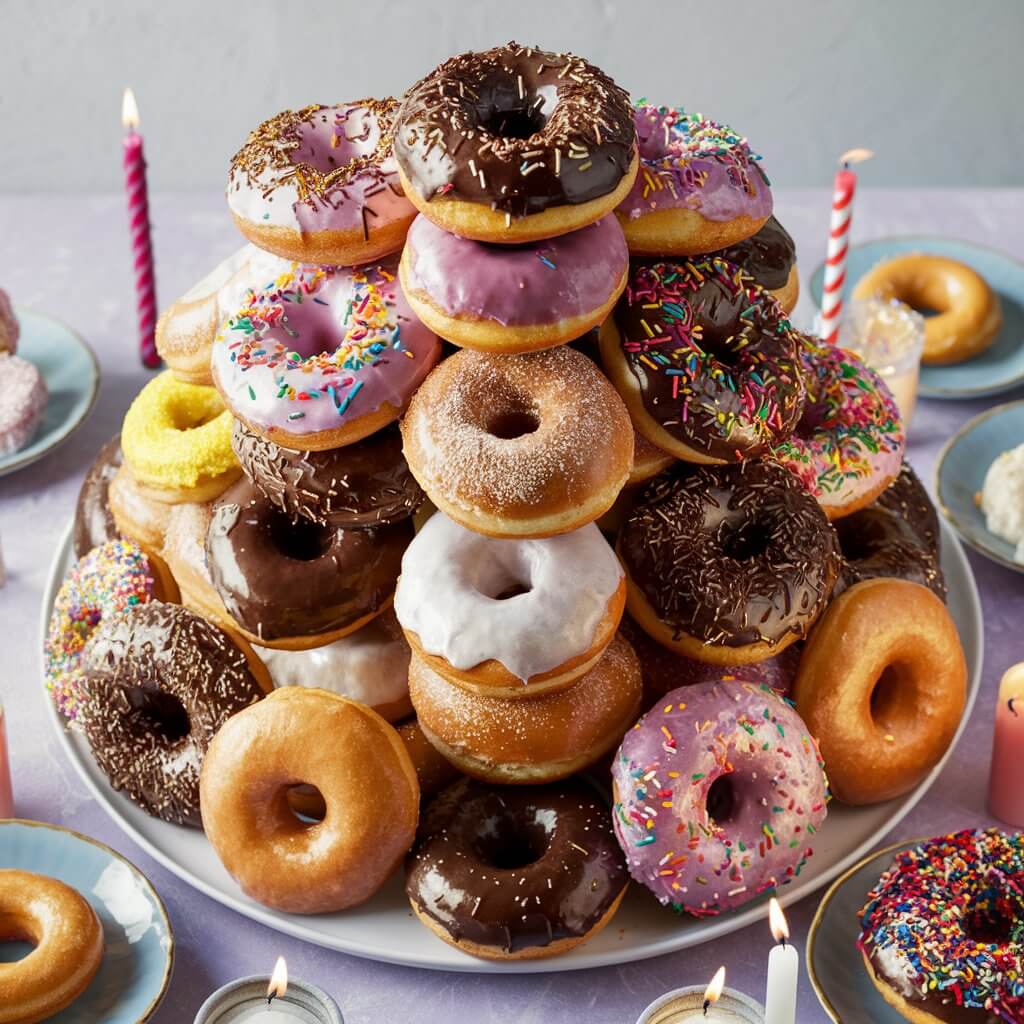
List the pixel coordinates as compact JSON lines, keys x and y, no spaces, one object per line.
{"x":320,"y":185}
{"x":699,"y":187}
{"x":9,"y":327}
{"x":718,"y":791}
{"x":23,"y":398}
{"x":324,"y":357}
{"x":848,"y":445}
{"x":503,"y":298}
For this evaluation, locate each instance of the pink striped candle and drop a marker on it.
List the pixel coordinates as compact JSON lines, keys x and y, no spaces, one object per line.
{"x":839,"y":243}
{"x":138,"y":222}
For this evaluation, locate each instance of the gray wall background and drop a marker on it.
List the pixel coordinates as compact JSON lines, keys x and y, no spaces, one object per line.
{"x":934,"y":86}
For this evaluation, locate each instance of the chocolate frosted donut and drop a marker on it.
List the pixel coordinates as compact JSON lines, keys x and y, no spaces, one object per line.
{"x":298,"y":584}
{"x":158,"y":681}
{"x":94,"y":522}
{"x":729,"y":564}
{"x":358,"y":485}
{"x":515,"y":872}
{"x":768,"y":256}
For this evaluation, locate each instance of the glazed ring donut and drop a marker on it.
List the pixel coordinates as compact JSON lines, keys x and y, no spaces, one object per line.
{"x":509,"y":618}
{"x":705,"y":360}
{"x":541,"y":739}
{"x":699,"y":187}
{"x":500,"y":298}
{"x":319,"y":185}
{"x":94,"y":520}
{"x":360,"y":766}
{"x":515,"y":874}
{"x":177,"y":440}
{"x":882,"y":684}
{"x":519,"y":446}
{"x":68,"y":939}
{"x":515,"y":144}
{"x":769,"y":257}
{"x":727,"y":564}
{"x":968,"y":313}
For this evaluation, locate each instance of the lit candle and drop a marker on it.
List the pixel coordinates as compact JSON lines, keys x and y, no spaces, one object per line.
{"x":715,"y":1004}
{"x":783,"y":971}
{"x":138,"y":223}
{"x":843,"y":191}
{"x":1006,"y":782}
{"x":6,"y":792}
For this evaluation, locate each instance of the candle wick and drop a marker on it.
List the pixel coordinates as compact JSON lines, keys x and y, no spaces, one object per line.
{"x":707,"y":1003}
{"x":270,"y":997}
{"x":1013,"y":710}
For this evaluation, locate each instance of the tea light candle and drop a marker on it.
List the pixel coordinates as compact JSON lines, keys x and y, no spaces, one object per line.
{"x":273,"y":1000}
{"x":714,"y":1004}
{"x":1006,"y":781}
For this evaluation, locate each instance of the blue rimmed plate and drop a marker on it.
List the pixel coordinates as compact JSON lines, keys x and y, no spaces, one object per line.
{"x":960,"y":473}
{"x":139,"y":954}
{"x":72,"y":376}
{"x":1001,"y":367}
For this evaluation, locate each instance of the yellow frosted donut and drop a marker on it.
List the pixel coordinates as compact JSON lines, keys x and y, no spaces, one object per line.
{"x":177,"y":440}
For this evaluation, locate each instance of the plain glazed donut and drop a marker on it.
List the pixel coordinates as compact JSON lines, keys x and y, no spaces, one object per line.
{"x":319,"y":185}
{"x":515,"y":874}
{"x":519,"y":446}
{"x":94,"y":521}
{"x":882,"y":684}
{"x":968,"y":314}
{"x":509,"y":618}
{"x":699,"y":187}
{"x":502,"y":298}
{"x":515,"y":144}
{"x":360,"y":766}
{"x":68,"y":939}
{"x":433,"y":770}
{"x":530,"y":740}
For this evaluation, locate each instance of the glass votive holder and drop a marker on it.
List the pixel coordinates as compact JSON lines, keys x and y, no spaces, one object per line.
{"x":686,"y":1006}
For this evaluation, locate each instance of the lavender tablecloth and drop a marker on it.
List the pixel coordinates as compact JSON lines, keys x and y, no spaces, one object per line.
{"x":69,"y":257}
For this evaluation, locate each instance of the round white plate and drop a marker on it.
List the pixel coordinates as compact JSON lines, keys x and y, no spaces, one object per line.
{"x":384,"y":928}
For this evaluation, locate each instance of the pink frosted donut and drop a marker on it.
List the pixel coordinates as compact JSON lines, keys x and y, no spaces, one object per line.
{"x":23,"y":398}
{"x":9,"y":329}
{"x":324,"y":356}
{"x":320,"y":185}
{"x":699,"y":188}
{"x":514,"y":298}
{"x":718,"y":791}
{"x":848,"y":446}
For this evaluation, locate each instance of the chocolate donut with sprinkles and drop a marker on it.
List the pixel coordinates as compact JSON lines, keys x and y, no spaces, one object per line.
{"x":719,"y":790}
{"x":770,"y":258}
{"x":324,"y":356}
{"x":705,"y":360}
{"x":942,"y":933}
{"x":515,"y":144}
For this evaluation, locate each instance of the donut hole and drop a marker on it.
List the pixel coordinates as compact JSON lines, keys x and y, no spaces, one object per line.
{"x":518,"y":121}
{"x":989,"y":925}
{"x":506,"y":844}
{"x":892,"y":704}
{"x":302,"y":540}
{"x":722,"y":801}
{"x":15,"y":944}
{"x":746,"y":540}
{"x":508,"y":424}
{"x":504,"y":585}
{"x":158,"y":713}
{"x":306,"y":803}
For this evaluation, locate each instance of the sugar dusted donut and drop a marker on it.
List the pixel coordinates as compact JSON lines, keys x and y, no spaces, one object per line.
{"x":705,"y":360}
{"x":319,"y":185}
{"x":360,"y":766}
{"x":515,"y":144}
{"x":23,"y":398}
{"x":10,"y":329}
{"x":509,"y":617}
{"x":324,"y":357}
{"x":699,"y":186}
{"x":500,"y":298}
{"x":719,"y":790}
{"x":464,"y":886}
{"x":94,"y":520}
{"x":769,"y":257}
{"x":519,"y":446}
{"x":848,"y":445}
{"x":882,"y":684}
{"x":137,"y":516}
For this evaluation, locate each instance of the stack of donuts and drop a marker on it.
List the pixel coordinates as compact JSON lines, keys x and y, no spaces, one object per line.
{"x":498,"y":421}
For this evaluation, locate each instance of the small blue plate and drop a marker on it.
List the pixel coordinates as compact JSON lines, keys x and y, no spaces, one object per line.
{"x":960,"y":473}
{"x":72,"y":376}
{"x":1000,"y":367}
{"x":139,"y":954}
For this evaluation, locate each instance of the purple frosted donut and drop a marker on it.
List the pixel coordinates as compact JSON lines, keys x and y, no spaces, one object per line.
{"x":719,"y":790}
{"x":514,"y":297}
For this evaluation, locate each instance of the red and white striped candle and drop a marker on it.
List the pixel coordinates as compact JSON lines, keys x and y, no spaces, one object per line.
{"x":839,"y":243}
{"x":138,"y":223}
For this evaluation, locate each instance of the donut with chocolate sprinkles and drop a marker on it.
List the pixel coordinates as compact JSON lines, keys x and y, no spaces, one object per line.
{"x":728,"y":564}
{"x":515,"y":144}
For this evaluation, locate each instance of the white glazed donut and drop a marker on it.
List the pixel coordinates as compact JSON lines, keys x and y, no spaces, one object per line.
{"x":23,"y":397}
{"x":507,"y":617}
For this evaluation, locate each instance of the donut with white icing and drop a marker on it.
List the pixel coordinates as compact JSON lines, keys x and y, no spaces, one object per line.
{"x":23,"y":398}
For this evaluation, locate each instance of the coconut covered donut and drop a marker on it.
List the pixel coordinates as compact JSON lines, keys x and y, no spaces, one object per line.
{"x":23,"y":398}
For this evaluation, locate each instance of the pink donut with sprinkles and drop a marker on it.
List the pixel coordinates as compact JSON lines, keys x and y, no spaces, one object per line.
{"x":324,"y":356}
{"x":23,"y":397}
{"x":719,"y":790}
{"x":848,"y":446}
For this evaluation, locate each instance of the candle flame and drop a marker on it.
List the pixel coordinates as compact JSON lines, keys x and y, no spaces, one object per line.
{"x":777,"y":921}
{"x":856,"y":156}
{"x":278,"y":980}
{"x":129,"y":111}
{"x":714,"y":990}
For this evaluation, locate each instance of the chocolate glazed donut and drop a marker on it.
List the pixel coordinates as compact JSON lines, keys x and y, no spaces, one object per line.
{"x":767,"y":256}
{"x":94,"y":522}
{"x":281,"y":579}
{"x":511,"y":872}
{"x":358,"y":485}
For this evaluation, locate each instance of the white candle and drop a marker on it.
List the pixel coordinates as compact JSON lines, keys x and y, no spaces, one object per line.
{"x":783,"y":972}
{"x":713,"y":1005}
